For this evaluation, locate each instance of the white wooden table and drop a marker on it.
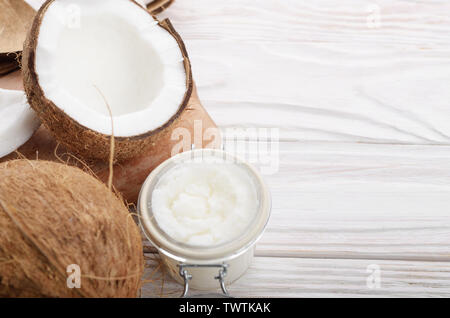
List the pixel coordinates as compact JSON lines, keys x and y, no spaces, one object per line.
{"x":360,"y":92}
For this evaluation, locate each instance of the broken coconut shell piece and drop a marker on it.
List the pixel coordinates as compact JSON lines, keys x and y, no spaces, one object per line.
{"x":8,"y":64}
{"x":154,"y":7}
{"x":16,"y":17}
{"x":116,"y":59}
{"x":57,"y":219}
{"x":158,"y":6}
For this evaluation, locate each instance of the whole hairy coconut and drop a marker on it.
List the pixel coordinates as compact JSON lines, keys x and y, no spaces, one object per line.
{"x":53,"y":216}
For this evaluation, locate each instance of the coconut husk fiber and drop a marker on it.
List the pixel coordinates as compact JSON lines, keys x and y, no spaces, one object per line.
{"x":16,"y":17}
{"x":9,"y":63}
{"x":52,"y":216}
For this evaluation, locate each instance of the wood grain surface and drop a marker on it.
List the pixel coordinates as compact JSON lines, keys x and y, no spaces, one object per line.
{"x":359,"y":91}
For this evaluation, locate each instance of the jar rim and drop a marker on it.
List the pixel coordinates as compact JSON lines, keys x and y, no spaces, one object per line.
{"x":182,"y":252}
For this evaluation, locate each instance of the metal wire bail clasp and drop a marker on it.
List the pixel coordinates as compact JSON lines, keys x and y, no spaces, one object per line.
{"x":187,"y":277}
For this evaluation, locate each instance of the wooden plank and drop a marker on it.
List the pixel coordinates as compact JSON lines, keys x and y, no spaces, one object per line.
{"x":363,"y":201}
{"x":298,"y":277}
{"x":356,"y":70}
{"x":128,"y":176}
{"x":345,"y":200}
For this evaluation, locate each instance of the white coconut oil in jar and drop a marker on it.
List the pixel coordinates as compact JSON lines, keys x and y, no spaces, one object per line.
{"x":204,"y":210}
{"x":205,"y":204}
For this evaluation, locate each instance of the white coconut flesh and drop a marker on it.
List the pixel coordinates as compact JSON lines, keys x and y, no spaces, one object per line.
{"x":91,"y":51}
{"x":18,"y":121}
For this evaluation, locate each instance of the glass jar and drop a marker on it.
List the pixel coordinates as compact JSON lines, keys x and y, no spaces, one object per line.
{"x":204,"y":267}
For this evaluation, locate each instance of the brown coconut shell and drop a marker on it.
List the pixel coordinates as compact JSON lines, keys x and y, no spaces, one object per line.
{"x":158,"y":6}
{"x":52,"y":216}
{"x":16,"y":17}
{"x":79,"y":139}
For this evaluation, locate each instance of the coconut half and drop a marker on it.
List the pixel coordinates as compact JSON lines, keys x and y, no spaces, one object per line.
{"x":157,"y":6}
{"x":84,"y":59}
{"x":18,"y":121}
